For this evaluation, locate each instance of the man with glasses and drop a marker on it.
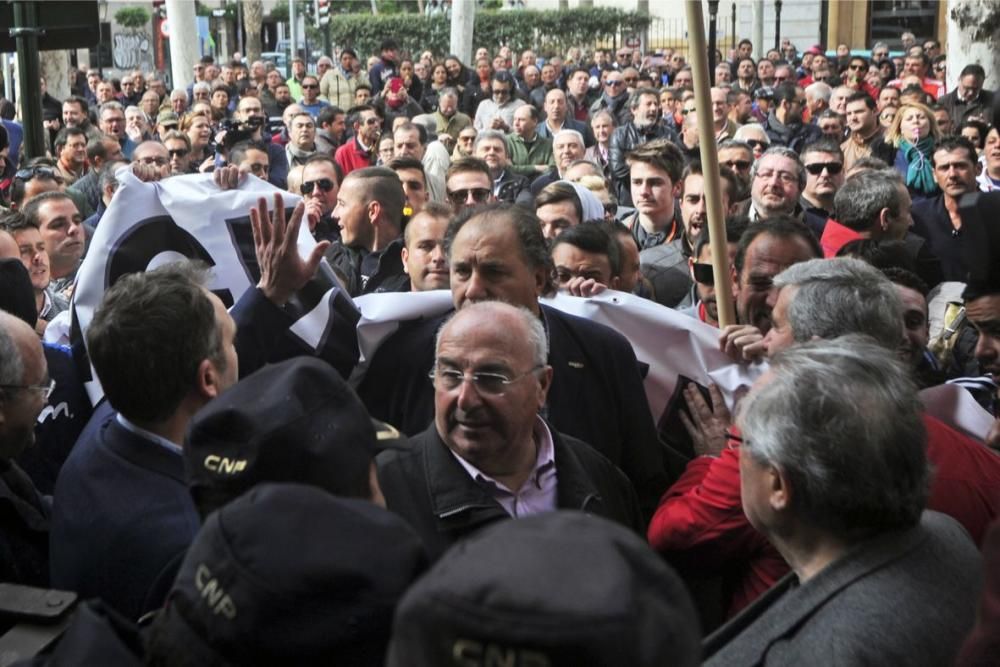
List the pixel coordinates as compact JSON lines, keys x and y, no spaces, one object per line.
{"x":969,"y":96}
{"x":321,"y":178}
{"x":704,"y":306}
{"x":153,"y":159}
{"x":497,"y":113}
{"x":777,"y":179}
{"x":824,"y":165}
{"x":488,"y":455}
{"x":498,"y":253}
{"x":311,"y":101}
{"x":71,"y":149}
{"x":880,"y":51}
{"x":737,"y":156}
{"x":469,"y":183}
{"x":783,"y":73}
{"x":369,"y":213}
{"x":360,"y":150}
{"x":111,"y":120}
{"x":178,"y":147}
{"x":250,"y":157}
{"x":614,"y":98}
{"x":25,"y":388}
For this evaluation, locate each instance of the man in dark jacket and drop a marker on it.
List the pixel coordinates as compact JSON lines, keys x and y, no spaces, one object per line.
{"x":488,"y":455}
{"x":370,"y":212}
{"x":644,"y":126}
{"x":497,"y":252}
{"x":784,"y":124}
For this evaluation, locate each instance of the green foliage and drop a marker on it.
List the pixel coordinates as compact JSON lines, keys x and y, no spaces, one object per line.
{"x":549,"y":31}
{"x":132,"y":17}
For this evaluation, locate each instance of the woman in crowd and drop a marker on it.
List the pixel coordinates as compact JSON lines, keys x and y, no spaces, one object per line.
{"x":198,"y":129}
{"x":439,"y":80}
{"x":482,"y":90}
{"x":220,"y":103}
{"x":914,"y":132}
{"x":414,"y":86}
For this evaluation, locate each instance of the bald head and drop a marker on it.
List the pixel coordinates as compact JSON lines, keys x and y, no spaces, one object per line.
{"x":22,"y":370}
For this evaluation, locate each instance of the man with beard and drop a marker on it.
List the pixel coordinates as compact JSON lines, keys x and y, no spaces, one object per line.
{"x":784,"y":124}
{"x":777,"y":179}
{"x":694,"y":210}
{"x":614,"y":98}
{"x":644,"y":126}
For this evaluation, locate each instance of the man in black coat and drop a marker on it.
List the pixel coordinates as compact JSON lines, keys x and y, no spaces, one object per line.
{"x":489,"y":455}
{"x":498,"y":253}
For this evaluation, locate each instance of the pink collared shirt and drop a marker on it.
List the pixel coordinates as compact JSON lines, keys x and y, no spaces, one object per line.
{"x":538,"y":493}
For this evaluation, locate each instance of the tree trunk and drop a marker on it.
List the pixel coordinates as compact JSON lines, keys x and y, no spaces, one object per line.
{"x":974,"y":38}
{"x":253,"y":18}
{"x":54,"y":66}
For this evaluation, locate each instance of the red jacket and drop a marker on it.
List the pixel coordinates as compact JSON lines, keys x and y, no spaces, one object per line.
{"x":700,"y":520}
{"x":351,"y":157}
{"x":836,"y":236}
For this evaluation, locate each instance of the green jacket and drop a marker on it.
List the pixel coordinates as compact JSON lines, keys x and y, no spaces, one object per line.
{"x":524,"y":158}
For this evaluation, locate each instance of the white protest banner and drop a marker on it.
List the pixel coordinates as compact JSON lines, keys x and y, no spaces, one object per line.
{"x":151,"y":224}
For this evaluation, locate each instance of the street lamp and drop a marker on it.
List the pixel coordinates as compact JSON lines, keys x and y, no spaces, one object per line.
{"x":777,"y":23}
{"x":713,"y":13}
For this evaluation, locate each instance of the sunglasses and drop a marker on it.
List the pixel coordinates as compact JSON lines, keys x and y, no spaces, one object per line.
{"x":180,"y":152}
{"x":685,"y":112}
{"x":309,"y":86}
{"x":324,"y":184}
{"x":703,"y":273}
{"x":459,"y":197}
{"x":44,"y":172}
{"x":614,"y":84}
{"x":738,"y":165}
{"x":754,"y":144}
{"x":817,"y":168}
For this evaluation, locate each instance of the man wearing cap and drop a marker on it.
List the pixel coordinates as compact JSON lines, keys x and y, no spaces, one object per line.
{"x":488,"y":455}
{"x":497,"y":252}
{"x":166,"y":121}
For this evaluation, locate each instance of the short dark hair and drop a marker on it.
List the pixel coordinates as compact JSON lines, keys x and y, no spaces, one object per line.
{"x":735,"y":226}
{"x":133,"y":328}
{"x":861,"y":96}
{"x":785,"y":92}
{"x":954,"y":143}
{"x":62,"y":138}
{"x":15,"y":221}
{"x":381,"y":184}
{"x":883,"y":254}
{"x":593,"y":237}
{"x":239,"y":150}
{"x":823,"y":145}
{"x":467,"y":164}
{"x":76,"y":99}
{"x":782,"y":227}
{"x":662,"y":154}
{"x":31,"y":207}
{"x":974,"y":69}
{"x":389,"y":44}
{"x":553,"y":193}
{"x":409,"y":127}
{"x":328,"y":114}
{"x":526,"y":225}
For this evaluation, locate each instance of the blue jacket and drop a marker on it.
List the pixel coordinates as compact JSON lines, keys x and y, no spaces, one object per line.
{"x":122,"y":518}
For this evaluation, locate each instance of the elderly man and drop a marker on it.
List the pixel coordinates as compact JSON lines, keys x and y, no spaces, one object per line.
{"x":820,"y":299}
{"x":530,"y":152}
{"x":556,"y":119}
{"x":24,"y":390}
{"x":567,"y":148}
{"x":969,"y":95}
{"x":864,"y":557}
{"x":449,"y":120}
{"x":777,"y":180}
{"x":497,"y":252}
{"x":488,"y":455}
{"x":643,"y":126}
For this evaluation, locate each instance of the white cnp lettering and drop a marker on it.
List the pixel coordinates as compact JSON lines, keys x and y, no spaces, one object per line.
{"x":216,"y":597}
{"x":221,"y":464}
{"x":471,"y":653}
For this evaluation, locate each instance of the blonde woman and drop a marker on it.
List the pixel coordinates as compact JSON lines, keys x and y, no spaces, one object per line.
{"x":914,"y":133}
{"x":198,"y":129}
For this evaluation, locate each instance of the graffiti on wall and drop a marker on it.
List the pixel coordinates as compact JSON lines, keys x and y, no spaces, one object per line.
{"x":132,"y":49}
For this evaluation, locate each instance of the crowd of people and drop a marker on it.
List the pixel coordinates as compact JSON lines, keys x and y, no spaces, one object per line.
{"x":233,"y":500}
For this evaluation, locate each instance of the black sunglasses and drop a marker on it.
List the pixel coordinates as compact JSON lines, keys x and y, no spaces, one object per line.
{"x":179,"y":152}
{"x":753,"y":143}
{"x":31,"y":172}
{"x":459,"y":197}
{"x":324,"y":184}
{"x":817,"y":168}
{"x":738,"y":165}
{"x":703,"y":273}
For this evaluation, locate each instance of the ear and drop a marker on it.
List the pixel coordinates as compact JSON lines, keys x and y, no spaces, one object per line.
{"x":616,"y":283}
{"x":779,"y":492}
{"x":544,"y":382}
{"x":691,"y":267}
{"x":404,"y":255}
{"x":207,"y":380}
{"x":883,"y":219}
{"x":734,"y":278}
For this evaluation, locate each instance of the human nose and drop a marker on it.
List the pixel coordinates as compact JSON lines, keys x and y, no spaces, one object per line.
{"x":468,"y":394}
{"x":475,"y":288}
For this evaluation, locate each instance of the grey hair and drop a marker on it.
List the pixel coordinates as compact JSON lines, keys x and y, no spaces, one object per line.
{"x":842,"y":421}
{"x":491,"y":134}
{"x":861,"y":197}
{"x":112,"y":104}
{"x":882,"y":45}
{"x":177,"y":92}
{"x":11,"y":364}
{"x":841,"y":296}
{"x":819,"y":90}
{"x":575,"y":133}
{"x":485,"y":312}
{"x":200,"y":86}
{"x":743,"y":130}
{"x":783,"y":151}
{"x":448,"y":91}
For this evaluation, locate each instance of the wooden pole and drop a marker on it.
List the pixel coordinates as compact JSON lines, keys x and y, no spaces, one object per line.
{"x":710,"y":162}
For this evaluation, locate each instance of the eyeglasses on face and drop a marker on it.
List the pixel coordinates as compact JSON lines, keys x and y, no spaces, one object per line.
{"x":309,"y":86}
{"x":817,"y":168}
{"x":324,"y":184}
{"x":487,"y":384}
{"x":45,"y":389}
{"x":178,"y":152}
{"x":47,"y":173}
{"x":615,"y":83}
{"x":459,"y":197}
{"x":755,"y":144}
{"x":738,"y":165}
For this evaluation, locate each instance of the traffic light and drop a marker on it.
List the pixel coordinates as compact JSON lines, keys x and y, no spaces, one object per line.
{"x":322,"y":12}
